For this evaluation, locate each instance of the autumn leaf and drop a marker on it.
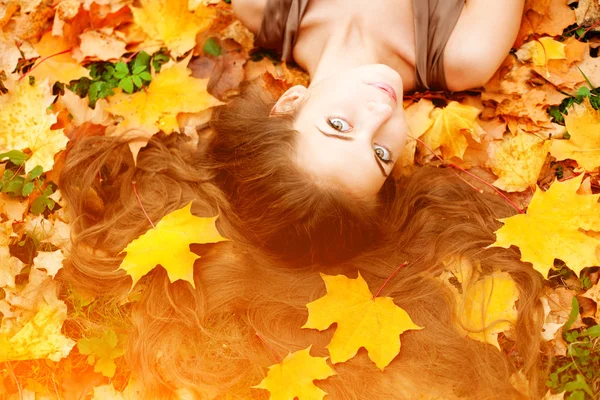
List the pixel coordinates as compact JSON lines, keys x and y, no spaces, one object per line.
{"x":552,"y":228}
{"x":169,"y":245}
{"x":485,"y":305}
{"x":102,"y":351}
{"x":295,"y":376}
{"x":450,"y":125}
{"x":171,"y":92}
{"x":172,"y":24}
{"x":39,"y":338}
{"x":583,"y":125}
{"x":517,"y":161}
{"x":26,"y":124}
{"x":55,"y":63}
{"x":362,"y":321}
{"x":51,"y":261}
{"x":540,"y":51}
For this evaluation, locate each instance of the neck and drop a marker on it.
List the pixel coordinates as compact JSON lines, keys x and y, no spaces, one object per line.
{"x":348,"y":46}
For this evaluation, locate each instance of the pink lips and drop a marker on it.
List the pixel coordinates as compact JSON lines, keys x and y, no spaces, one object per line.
{"x":386,"y":88}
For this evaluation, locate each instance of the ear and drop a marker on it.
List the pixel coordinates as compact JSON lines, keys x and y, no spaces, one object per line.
{"x":289,"y":101}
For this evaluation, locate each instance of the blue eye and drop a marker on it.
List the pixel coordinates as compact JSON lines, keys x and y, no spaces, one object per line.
{"x":338,"y":124}
{"x":382,"y":153}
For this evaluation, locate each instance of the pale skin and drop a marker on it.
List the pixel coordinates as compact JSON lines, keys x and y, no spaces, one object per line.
{"x":351,"y":130}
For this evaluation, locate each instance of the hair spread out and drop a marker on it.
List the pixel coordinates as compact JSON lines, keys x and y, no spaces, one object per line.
{"x":205,"y":339}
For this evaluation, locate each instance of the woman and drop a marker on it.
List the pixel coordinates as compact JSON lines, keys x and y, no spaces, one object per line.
{"x":288,"y":222}
{"x":333,"y":145}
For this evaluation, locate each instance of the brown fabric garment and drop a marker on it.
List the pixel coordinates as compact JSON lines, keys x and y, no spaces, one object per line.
{"x":434,"y":22}
{"x":280,"y":24}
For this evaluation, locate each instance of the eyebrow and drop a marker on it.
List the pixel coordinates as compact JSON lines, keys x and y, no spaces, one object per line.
{"x":344,"y":137}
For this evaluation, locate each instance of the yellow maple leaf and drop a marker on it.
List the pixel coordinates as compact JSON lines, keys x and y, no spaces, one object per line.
{"x":171,"y":23}
{"x":485,"y":305}
{"x":25,"y":124}
{"x":517,"y":161}
{"x":171,"y":92}
{"x":542,"y":50}
{"x":583,"y":124}
{"x":55,"y":62}
{"x":294,"y":377}
{"x":552,"y":228}
{"x":169,"y":245}
{"x":39,"y":338}
{"x":450,"y":125}
{"x":362,"y":321}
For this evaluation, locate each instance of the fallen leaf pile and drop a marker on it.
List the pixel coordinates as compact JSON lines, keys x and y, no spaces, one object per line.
{"x":531,"y":134}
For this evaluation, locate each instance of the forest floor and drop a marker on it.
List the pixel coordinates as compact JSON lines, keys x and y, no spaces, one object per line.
{"x":74,"y":66}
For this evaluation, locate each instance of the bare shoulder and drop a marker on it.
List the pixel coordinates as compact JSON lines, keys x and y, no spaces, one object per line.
{"x":480,"y":41}
{"x":250,"y":12}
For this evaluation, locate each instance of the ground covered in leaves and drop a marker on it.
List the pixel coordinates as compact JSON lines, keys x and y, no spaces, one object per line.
{"x":531,"y":134}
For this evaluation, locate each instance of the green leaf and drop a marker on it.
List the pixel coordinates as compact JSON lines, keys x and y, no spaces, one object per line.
{"x":145,"y":76}
{"x":572,"y":315}
{"x":593,"y":331}
{"x":28,"y":189}
{"x":158,"y":60}
{"x":121,"y":70}
{"x":578,"y":384}
{"x":139,"y":70}
{"x":126,"y":84}
{"x":15,"y":156}
{"x":141,"y":60}
{"x":137,"y":81}
{"x":36,"y":172}
{"x":38,"y":205}
{"x":14,"y":186}
{"x":576,"y":395}
{"x":583,"y":92}
{"x":212,"y":47}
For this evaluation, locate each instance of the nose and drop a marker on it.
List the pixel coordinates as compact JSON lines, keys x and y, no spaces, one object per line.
{"x":377,"y":115}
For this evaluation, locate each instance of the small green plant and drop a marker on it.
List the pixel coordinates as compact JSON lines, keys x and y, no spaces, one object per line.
{"x":130,"y":76}
{"x":577,"y":374}
{"x":558,"y":112}
{"x":16,"y":183}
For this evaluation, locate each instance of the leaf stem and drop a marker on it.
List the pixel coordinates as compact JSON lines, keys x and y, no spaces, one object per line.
{"x":404,"y":264}
{"x":473,"y":176}
{"x":140,"y":203}
{"x":41,"y":61}
{"x":275,"y":356}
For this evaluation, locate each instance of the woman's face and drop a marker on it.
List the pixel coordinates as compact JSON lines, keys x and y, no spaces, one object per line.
{"x":352,"y":127}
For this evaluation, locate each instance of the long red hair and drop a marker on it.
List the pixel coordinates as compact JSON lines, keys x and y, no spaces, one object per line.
{"x":205,"y":339}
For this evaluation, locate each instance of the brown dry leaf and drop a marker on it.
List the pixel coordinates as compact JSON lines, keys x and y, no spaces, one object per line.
{"x":225,"y":72}
{"x":51,"y":261}
{"x":517,"y":161}
{"x":54,"y":66}
{"x":9,"y":267}
{"x":171,"y":24}
{"x":81,"y":112}
{"x":9,"y":54}
{"x":101,"y":44}
{"x":549,"y":17}
{"x":12,"y":207}
{"x":28,"y":26}
{"x":588,"y":14}
{"x":593,"y":293}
